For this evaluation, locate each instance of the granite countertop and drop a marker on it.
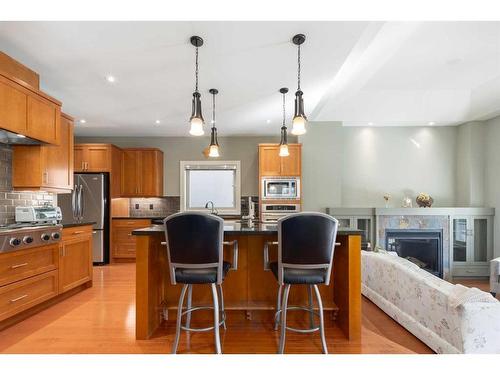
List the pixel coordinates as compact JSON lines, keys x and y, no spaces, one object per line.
{"x":237,"y":228}
{"x":77,"y":224}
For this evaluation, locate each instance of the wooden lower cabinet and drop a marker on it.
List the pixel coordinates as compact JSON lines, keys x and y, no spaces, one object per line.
{"x":31,"y":278}
{"x":123,"y":242}
{"x":75,"y":261}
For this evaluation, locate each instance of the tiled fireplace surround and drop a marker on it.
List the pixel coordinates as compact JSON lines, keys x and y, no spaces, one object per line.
{"x":439,"y":222}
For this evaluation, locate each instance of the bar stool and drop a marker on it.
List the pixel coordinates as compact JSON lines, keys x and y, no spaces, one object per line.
{"x":195,"y":243}
{"x":306,"y":243}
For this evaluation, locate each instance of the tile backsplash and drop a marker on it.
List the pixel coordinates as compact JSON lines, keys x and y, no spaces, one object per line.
{"x":165,"y":206}
{"x":10,"y":199}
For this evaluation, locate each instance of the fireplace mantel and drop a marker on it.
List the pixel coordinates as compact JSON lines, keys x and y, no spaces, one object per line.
{"x":434,"y":211}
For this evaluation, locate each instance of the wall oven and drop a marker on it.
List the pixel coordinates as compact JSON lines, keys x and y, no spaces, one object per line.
{"x":280,"y":188}
{"x":272,"y":212}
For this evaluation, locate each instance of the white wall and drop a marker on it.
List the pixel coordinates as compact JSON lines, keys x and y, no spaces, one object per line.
{"x":356,"y":166}
{"x":492,"y":174}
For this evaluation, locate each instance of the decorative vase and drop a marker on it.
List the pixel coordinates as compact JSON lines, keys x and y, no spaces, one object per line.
{"x":424,"y":200}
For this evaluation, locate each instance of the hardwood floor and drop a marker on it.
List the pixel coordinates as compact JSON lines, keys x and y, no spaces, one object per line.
{"x":102,"y":320}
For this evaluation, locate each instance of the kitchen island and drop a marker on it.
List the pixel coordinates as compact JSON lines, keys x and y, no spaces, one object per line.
{"x":250,"y":287}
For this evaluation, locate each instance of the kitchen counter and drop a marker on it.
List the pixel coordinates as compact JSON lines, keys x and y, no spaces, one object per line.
{"x":80,"y":224}
{"x":236,"y":228}
{"x":250,"y":287}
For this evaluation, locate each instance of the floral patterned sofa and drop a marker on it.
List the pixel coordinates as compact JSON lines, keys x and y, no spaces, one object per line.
{"x":421,"y":302}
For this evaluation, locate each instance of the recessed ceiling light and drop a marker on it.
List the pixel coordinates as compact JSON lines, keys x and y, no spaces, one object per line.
{"x":83,"y":121}
{"x":431,"y":123}
{"x":157,"y":122}
{"x":268,"y":121}
{"x":21,"y":136}
{"x":110,"y":79}
{"x":370,"y":123}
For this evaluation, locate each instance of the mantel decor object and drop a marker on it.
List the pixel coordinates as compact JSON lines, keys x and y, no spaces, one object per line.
{"x":424,"y":200}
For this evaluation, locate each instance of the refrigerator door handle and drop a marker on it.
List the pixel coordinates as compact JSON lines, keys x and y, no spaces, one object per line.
{"x":81,"y":202}
{"x":73,"y":202}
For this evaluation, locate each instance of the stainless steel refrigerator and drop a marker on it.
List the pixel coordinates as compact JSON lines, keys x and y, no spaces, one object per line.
{"x":89,"y":202}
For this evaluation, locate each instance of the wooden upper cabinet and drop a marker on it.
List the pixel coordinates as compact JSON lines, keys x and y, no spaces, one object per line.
{"x":12,"y":107}
{"x":27,"y":111}
{"x":44,"y":119}
{"x":142,"y":172}
{"x":271,"y":164}
{"x":45,"y":167}
{"x":100,"y":157}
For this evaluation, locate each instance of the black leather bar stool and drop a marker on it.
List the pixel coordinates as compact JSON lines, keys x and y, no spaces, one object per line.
{"x":195,"y":254}
{"x":306,"y":243}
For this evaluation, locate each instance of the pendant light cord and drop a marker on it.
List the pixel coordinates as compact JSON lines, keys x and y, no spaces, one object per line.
{"x":196,"y":70}
{"x":213,"y":110}
{"x":298,"y":67}
{"x":284,"y":113}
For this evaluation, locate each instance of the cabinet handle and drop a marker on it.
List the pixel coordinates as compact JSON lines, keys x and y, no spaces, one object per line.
{"x":78,"y":232}
{"x":45,"y":177}
{"x":18,"y":266}
{"x":18,"y":298}
{"x":130,"y":234}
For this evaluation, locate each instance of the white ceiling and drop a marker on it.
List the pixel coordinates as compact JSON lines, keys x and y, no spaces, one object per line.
{"x":384,"y":73}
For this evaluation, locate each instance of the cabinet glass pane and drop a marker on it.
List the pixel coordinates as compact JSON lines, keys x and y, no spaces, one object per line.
{"x":480,"y":240}
{"x":344,"y":223}
{"x":459,"y":240}
{"x":364,"y":225}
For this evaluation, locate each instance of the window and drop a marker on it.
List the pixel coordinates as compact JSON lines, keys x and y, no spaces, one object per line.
{"x":215,"y":181}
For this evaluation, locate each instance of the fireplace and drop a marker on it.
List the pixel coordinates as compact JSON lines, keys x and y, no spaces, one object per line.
{"x":423,"y":247}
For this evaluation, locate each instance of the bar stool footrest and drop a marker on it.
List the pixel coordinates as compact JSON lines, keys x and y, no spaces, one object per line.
{"x":298,"y":330}
{"x":203,"y":329}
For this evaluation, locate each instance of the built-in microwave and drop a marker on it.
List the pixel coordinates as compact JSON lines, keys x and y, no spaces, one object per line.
{"x":281,"y":188}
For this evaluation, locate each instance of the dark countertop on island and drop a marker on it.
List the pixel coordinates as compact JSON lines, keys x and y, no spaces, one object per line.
{"x":77,"y":224}
{"x":236,"y":228}
{"x":138,"y":217}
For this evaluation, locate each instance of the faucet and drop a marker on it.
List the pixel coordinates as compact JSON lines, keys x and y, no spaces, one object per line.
{"x":251,"y":210}
{"x":211,"y":205}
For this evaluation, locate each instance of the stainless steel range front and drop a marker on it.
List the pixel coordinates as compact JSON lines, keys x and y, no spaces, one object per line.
{"x":23,"y":236}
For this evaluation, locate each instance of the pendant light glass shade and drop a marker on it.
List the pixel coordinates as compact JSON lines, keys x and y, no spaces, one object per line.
{"x":299,"y":120}
{"x":214,"y":144}
{"x":196,"y":120}
{"x":284,"y":136}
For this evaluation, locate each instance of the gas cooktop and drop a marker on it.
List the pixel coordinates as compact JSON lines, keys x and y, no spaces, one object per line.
{"x":26,"y":235}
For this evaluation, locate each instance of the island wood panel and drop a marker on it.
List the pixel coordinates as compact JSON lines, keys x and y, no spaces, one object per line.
{"x":249,"y":288}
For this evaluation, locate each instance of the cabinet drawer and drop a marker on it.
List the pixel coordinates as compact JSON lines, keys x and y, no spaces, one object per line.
{"x":471,"y":271}
{"x":22,"y":264}
{"x":24,"y":294}
{"x":75,"y":232}
{"x":131,"y":223}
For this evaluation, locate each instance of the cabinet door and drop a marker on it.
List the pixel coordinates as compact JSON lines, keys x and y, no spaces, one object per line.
{"x":150,"y":168}
{"x":481,"y":248}
{"x":123,"y":242}
{"x":460,"y":239}
{"x":98,"y":159}
{"x":130,"y":175}
{"x":269,"y":161}
{"x":291,"y":164}
{"x":79,"y":157}
{"x":365,"y":225}
{"x":12,"y":108}
{"x":43,"y":120}
{"x":75,"y":263}
{"x":58,"y":163}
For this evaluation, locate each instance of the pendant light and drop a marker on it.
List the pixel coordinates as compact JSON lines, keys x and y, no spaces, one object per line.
{"x":196,"y":119}
{"x":299,"y":119}
{"x":284,"y":135}
{"x":214,"y":144}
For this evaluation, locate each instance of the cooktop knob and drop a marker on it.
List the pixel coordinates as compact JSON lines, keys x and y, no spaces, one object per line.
{"x":27,"y":239}
{"x":15,"y":242}
{"x":56,"y":235}
{"x":45,"y":237}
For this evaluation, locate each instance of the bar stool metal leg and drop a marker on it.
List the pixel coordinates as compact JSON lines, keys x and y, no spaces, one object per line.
{"x":284,"y":306}
{"x":321,"y":320}
{"x":189,"y":305}
{"x":277,"y":315}
{"x":179,"y":318}
{"x":311,"y":306}
{"x":223,"y":311}
{"x":216,"y":319}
